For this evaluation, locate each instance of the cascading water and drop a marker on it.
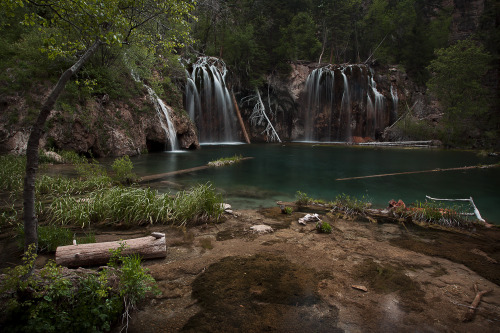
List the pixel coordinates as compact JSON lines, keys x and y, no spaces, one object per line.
{"x":343,"y":102}
{"x":395,"y":100}
{"x":209,"y":102}
{"x":161,"y":109}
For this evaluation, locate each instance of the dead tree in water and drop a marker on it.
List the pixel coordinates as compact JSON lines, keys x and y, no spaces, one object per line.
{"x":259,"y":117}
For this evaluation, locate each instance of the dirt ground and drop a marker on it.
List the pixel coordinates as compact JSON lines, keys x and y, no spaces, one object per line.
{"x":225,"y":278}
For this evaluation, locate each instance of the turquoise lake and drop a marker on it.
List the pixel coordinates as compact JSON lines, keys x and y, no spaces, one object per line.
{"x":278,"y":171}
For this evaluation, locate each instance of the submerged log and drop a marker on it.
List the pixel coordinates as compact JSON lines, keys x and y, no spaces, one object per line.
{"x":95,"y":254}
{"x":423,"y":171}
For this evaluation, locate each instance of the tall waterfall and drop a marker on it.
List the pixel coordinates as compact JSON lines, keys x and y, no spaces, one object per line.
{"x":163,"y":111}
{"x":343,"y":102}
{"x":209,"y":103}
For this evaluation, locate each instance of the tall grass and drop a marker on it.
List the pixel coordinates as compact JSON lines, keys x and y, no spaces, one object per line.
{"x":436,"y":213}
{"x":12,"y":173}
{"x":137,"y":206}
{"x":350,"y":205}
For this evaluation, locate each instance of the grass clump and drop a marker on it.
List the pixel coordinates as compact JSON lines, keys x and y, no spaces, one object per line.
{"x":12,"y":173}
{"x":435,"y":213}
{"x":350,"y":205}
{"x":226,"y":161}
{"x":51,"y":236}
{"x":137,"y":206}
{"x":50,"y":300}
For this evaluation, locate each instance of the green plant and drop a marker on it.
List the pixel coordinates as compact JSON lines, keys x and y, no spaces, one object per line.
{"x":11,"y":173}
{"x":436,"y":213}
{"x":288,"y":210}
{"x":50,"y":237}
{"x":122,"y":168}
{"x":350,"y":205}
{"x":138,"y":206}
{"x":324,"y":227}
{"x":302,"y":199}
{"x":226,"y":161}
{"x":50,"y":301}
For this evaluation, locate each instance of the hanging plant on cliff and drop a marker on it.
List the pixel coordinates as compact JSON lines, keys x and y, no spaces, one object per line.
{"x":74,"y":31}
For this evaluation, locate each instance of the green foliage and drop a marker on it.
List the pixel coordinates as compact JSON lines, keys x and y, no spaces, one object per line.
{"x":51,"y":302}
{"x":11,"y":172}
{"x":456,"y":81}
{"x":436,"y":213}
{"x":302,"y":199}
{"x":199,"y":204}
{"x":288,"y":210}
{"x":324,"y":227}
{"x":122,"y":168}
{"x":350,"y":205}
{"x":50,"y":237}
{"x":299,"y":40}
{"x":226,"y":161}
{"x":137,"y":206}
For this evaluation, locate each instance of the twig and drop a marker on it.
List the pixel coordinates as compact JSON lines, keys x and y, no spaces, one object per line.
{"x":469,"y":315}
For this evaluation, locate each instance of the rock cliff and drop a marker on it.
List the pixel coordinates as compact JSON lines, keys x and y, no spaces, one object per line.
{"x":99,"y":126}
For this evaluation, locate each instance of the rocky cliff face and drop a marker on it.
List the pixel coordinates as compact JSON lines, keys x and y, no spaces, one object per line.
{"x":99,"y":126}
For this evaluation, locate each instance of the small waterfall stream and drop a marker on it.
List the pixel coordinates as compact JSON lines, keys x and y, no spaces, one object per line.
{"x":209,"y":102}
{"x":163,"y":111}
{"x":342,"y":102}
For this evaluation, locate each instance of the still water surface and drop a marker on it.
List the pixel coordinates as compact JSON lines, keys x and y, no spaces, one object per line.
{"x":278,"y":171}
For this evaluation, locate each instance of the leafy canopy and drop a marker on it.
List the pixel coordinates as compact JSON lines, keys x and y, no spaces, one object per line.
{"x":69,"y":27}
{"x":457,"y":73}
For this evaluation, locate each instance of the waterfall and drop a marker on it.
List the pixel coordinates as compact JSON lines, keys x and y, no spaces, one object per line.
{"x":209,"y":102}
{"x":378,"y":108}
{"x":163,"y":111}
{"x":342,"y":101}
{"x":161,"y":108}
{"x":319,"y":86}
{"x":395,"y":100}
{"x":345,"y":114}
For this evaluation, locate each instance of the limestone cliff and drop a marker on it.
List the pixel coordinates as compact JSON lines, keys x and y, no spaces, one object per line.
{"x":99,"y":126}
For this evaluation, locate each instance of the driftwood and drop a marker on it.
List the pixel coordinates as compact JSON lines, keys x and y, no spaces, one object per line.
{"x":422,"y":171}
{"x":95,"y":254}
{"x":179,"y":172}
{"x":469,"y":315}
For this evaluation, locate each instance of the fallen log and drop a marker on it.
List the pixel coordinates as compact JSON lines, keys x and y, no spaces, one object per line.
{"x":95,"y":254}
{"x":476,"y":211}
{"x":423,"y":171}
{"x":179,"y":172}
{"x":242,"y":124}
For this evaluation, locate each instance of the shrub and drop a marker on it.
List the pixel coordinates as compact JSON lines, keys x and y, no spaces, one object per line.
{"x":324,"y":227}
{"x":122,"y":168}
{"x":302,"y":199}
{"x":50,"y":301}
{"x":288,"y":210}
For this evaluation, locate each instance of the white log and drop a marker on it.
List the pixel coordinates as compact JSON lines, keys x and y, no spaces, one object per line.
{"x":95,"y":254}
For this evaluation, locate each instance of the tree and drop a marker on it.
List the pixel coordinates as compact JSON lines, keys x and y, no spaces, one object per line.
{"x":75,"y":30}
{"x":299,"y":40}
{"x":456,"y":80}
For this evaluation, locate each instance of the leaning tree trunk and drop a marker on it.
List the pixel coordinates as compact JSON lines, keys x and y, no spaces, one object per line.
{"x":30,"y":220}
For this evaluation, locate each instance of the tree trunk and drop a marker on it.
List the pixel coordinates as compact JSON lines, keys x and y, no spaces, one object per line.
{"x":99,"y":253}
{"x":30,"y":219}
